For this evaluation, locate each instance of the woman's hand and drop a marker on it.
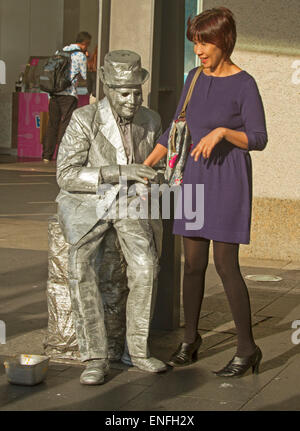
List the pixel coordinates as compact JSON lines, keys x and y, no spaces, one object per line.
{"x":207,"y":143}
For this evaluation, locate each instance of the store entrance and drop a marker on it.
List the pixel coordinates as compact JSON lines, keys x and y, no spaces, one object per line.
{"x":192,"y":8}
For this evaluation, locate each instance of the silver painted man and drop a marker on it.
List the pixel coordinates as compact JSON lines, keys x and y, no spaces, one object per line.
{"x":104,"y":141}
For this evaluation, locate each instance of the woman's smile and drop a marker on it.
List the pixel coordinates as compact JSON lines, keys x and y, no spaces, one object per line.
{"x":209,"y":54}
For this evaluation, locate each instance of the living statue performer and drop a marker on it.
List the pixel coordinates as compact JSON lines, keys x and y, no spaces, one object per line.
{"x":104,"y":142}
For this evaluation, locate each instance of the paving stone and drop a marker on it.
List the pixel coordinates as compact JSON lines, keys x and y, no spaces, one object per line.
{"x":282,"y":393}
{"x":196,"y":381}
{"x":118,"y":365}
{"x":31,"y":300}
{"x":279,"y":324}
{"x":222,"y":322}
{"x":21,"y":267}
{"x":261,"y":299}
{"x":22,"y":323}
{"x":66,"y":361}
{"x":273,"y":323}
{"x":292,"y":274}
{"x":29,"y":166}
{"x":18,"y":230}
{"x":260,"y":296}
{"x":57,"y":393}
{"x":216,"y":302}
{"x":136,"y":377}
{"x":219,"y":302}
{"x":265,"y":263}
{"x":287,"y":306}
{"x":216,"y":289}
{"x":58,"y":367}
{"x":292,"y":266}
{"x":10,"y":393}
{"x":281,"y":272}
{"x":283,"y":286}
{"x":160,"y":402}
{"x":212,"y":338}
{"x":211,"y":277}
{"x":17,"y":198}
{"x":72,"y":372}
{"x":26,"y":305}
{"x":30,"y":343}
{"x":54,"y":371}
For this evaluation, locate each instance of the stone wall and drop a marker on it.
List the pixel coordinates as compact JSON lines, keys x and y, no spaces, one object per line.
{"x":268,"y":47}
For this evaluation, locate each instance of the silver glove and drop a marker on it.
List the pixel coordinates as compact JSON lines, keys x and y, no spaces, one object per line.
{"x":133,"y":172}
{"x":137,"y":172}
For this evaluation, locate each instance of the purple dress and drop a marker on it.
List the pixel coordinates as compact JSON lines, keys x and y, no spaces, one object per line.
{"x":233,"y":102}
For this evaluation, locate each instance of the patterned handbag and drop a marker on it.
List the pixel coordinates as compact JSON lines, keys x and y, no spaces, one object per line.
{"x":179,"y":142}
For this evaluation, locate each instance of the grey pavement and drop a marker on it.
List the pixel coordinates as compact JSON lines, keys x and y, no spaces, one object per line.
{"x":28,"y":190}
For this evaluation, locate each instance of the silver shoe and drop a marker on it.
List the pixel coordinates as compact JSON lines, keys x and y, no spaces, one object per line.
{"x":152,"y":365}
{"x":95,"y":372}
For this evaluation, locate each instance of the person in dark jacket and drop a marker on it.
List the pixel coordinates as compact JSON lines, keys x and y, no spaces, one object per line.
{"x":63,"y":104}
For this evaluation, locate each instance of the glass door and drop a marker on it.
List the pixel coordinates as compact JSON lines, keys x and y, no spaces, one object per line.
{"x":192,"y":8}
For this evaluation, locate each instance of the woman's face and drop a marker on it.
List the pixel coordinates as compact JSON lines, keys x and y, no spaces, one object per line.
{"x":209,"y":54}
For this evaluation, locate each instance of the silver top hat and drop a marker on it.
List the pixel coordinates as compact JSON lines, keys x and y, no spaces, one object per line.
{"x":123,"y":68}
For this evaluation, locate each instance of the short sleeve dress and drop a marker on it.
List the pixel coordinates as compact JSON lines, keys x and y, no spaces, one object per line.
{"x":233,"y":102}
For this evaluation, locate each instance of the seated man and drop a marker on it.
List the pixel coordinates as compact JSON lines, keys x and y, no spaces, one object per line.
{"x":103,"y":142}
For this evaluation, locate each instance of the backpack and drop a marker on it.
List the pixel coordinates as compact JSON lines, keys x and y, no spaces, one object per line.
{"x":55,"y":74}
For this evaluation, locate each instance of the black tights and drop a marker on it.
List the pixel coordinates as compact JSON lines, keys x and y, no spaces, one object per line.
{"x":227,"y":265}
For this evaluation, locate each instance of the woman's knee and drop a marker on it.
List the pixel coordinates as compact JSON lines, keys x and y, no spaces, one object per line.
{"x":221,"y":268}
{"x":226,"y":268}
{"x":195,"y":266}
{"x":226,"y":259}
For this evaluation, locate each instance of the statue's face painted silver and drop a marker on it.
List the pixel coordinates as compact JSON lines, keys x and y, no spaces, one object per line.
{"x":125,"y":101}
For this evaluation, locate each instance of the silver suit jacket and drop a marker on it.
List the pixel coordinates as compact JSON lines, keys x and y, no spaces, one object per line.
{"x":92,"y":140}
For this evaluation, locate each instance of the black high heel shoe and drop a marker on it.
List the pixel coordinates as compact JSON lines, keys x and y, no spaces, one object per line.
{"x":186,"y":354}
{"x":238,"y":365}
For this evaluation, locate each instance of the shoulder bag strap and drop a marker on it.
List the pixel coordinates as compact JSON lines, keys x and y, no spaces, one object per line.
{"x":181,"y":116}
{"x":189,"y":93}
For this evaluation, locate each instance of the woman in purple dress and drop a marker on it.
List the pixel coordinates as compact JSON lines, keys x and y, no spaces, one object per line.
{"x":226,"y":120}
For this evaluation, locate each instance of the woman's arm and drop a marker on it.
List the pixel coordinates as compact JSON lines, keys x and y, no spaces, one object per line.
{"x":253,"y":116}
{"x":208,"y":142}
{"x":255,"y":136}
{"x":236,"y":138}
{"x":157,"y":154}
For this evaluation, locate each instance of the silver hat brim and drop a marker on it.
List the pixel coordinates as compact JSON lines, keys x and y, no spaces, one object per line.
{"x":145,"y":77}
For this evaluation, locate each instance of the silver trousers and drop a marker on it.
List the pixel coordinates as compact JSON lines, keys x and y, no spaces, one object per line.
{"x":137,"y":242}
{"x":60,"y":338}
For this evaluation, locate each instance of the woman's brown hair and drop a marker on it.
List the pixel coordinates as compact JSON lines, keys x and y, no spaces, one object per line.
{"x":215,"y":26}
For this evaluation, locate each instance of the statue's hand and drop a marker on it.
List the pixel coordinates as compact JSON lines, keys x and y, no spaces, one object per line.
{"x":136,"y":172}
